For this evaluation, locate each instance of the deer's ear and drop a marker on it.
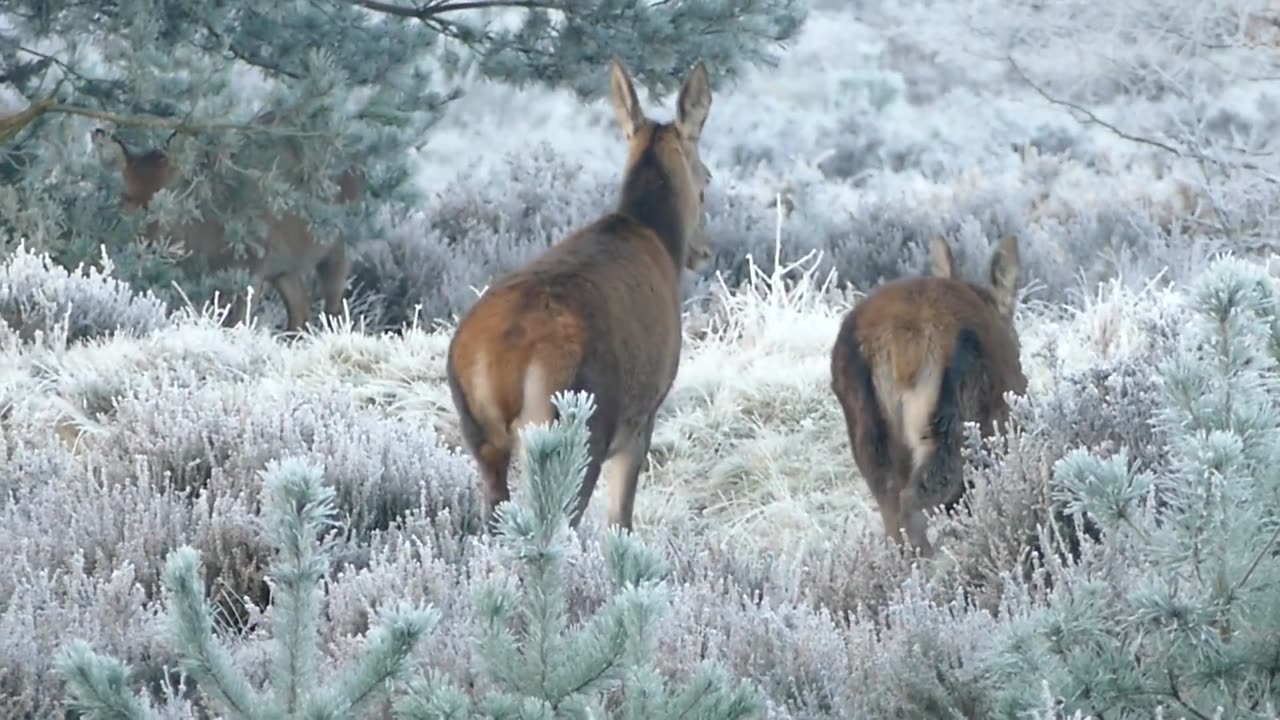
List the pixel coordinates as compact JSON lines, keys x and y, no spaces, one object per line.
{"x":622,"y":94}
{"x":693,"y":104}
{"x":943,"y":263}
{"x":1006,"y":270}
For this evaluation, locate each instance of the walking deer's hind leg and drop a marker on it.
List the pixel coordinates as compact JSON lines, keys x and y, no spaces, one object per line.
{"x":914,"y":522}
{"x":494,"y":464}
{"x":297,"y":303}
{"x":333,"y":271}
{"x":622,"y":472}
{"x":874,"y":453}
{"x":236,"y":309}
{"x":890,"y":514}
{"x":933,"y":423}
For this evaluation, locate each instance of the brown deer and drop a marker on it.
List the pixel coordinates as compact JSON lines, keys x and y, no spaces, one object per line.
{"x":598,"y":311}
{"x":911,"y":362}
{"x":289,"y":251}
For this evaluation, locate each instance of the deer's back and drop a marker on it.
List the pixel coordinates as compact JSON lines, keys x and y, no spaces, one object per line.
{"x":908,"y":331}
{"x":287,"y":247}
{"x":603,"y":303}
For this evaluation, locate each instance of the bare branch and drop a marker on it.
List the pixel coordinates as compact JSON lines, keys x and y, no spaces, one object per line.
{"x":65,"y":67}
{"x":179,"y":126}
{"x":434,"y":8}
{"x":1088,"y":114}
{"x":1092,"y":118}
{"x":11,"y":125}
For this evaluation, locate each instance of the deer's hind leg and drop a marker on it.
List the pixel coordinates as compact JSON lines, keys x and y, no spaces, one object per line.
{"x":874,"y":452}
{"x":621,"y":469}
{"x":333,"y":270}
{"x":236,"y":308}
{"x":297,"y":303}
{"x":935,"y":420}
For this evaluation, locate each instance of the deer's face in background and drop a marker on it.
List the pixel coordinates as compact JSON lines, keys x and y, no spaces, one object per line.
{"x":143,"y":175}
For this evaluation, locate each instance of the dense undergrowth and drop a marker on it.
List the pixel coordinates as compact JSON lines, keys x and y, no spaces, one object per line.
{"x":139,"y":441}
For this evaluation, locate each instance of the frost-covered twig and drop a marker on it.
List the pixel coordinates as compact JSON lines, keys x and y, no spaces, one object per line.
{"x":1093,"y":119}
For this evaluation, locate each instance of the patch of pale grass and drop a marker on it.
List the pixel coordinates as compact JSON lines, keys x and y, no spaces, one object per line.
{"x":750,"y":444}
{"x":1112,"y":324}
{"x":404,"y":374}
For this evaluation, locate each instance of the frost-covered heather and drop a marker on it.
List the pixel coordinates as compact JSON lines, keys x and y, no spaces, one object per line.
{"x":40,"y":300}
{"x":885,"y":123}
{"x":132,"y":445}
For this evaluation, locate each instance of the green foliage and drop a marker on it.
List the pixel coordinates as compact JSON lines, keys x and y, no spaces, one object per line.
{"x":659,"y":41}
{"x":365,"y":96}
{"x":296,"y":507}
{"x":1177,"y":608}
{"x":543,"y":669}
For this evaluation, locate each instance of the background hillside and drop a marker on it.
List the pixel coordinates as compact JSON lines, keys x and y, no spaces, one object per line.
{"x":128,"y":428}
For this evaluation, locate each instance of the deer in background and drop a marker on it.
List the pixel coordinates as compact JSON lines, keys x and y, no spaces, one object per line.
{"x":912,"y":362}
{"x":598,"y":311}
{"x":289,"y":252}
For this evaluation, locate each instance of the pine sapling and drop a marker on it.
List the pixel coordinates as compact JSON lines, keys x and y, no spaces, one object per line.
{"x":296,"y":507}
{"x":544,"y":669}
{"x":1176,"y":610}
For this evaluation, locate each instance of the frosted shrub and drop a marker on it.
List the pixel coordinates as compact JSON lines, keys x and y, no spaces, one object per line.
{"x":175,"y":427}
{"x":134,"y":447}
{"x":491,"y":221}
{"x":486,"y":224}
{"x":39,"y":297}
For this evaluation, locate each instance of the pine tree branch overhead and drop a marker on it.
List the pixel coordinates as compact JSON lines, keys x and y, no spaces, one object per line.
{"x":433,"y":9}
{"x":357,"y":104}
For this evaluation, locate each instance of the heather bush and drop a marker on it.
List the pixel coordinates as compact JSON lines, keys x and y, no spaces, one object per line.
{"x":40,"y":299}
{"x":133,"y":447}
{"x":610,"y":653}
{"x":538,"y":666}
{"x":779,"y":570}
{"x":490,"y":221}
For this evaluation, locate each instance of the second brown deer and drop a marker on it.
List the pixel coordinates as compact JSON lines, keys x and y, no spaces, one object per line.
{"x":912,"y":362}
{"x":598,"y":311}
{"x":290,"y":250}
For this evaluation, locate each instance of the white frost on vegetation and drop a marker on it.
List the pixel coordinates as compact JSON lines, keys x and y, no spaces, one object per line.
{"x":750,"y":446}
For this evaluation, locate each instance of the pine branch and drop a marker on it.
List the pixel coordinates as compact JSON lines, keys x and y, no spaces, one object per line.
{"x":385,"y":660}
{"x":203,"y":657}
{"x":97,"y":685}
{"x":297,"y":507}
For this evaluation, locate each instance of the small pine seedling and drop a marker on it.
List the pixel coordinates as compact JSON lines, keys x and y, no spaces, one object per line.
{"x":297,"y":506}
{"x":544,"y":670}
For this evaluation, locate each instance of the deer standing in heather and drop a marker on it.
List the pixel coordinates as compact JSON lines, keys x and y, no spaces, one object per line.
{"x":290,"y":250}
{"x":598,"y":311}
{"x":911,"y":362}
